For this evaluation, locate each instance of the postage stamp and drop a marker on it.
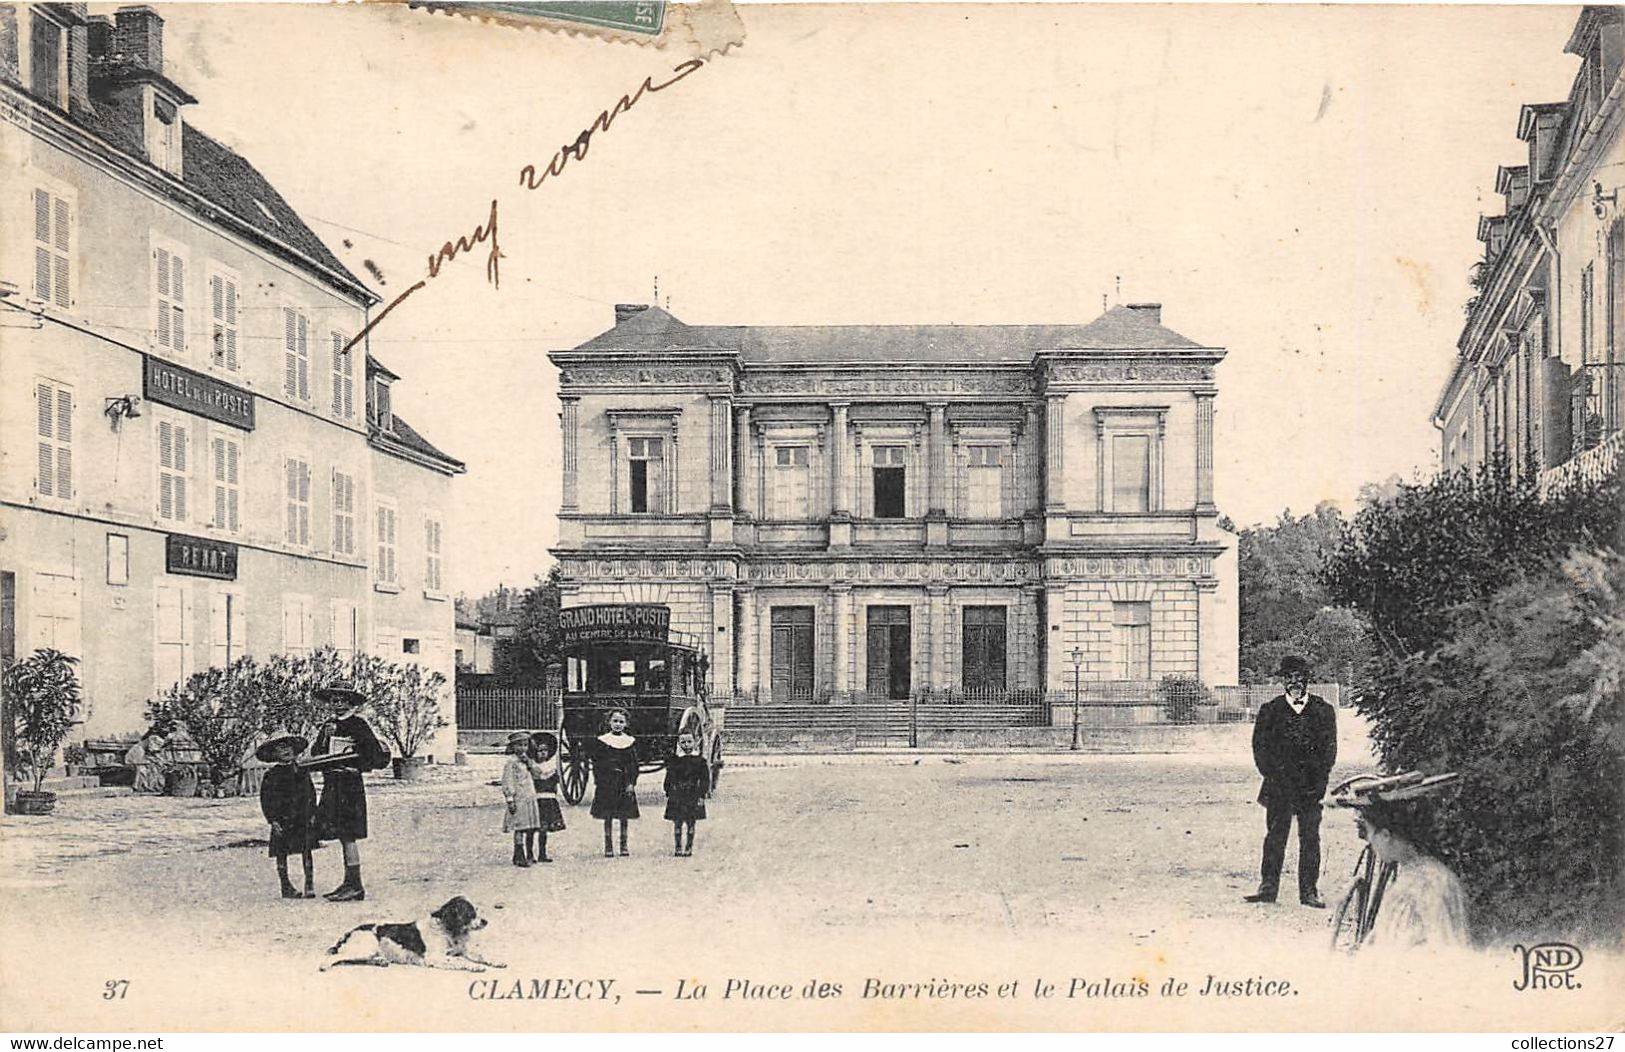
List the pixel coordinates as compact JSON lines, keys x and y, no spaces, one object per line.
{"x":703,"y":29}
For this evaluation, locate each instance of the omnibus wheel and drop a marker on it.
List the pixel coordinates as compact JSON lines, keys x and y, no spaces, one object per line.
{"x":575,"y":775}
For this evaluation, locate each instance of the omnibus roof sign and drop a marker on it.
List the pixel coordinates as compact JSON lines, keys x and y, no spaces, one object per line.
{"x":615,"y":623}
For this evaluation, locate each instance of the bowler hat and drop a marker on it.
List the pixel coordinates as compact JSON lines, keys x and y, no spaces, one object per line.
{"x":263,"y":753}
{"x":340,"y":693}
{"x":1293,"y":664}
{"x":519,"y":737}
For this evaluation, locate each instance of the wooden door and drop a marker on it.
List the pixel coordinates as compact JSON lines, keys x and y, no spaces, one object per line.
{"x":889,"y":651}
{"x":792,"y":653}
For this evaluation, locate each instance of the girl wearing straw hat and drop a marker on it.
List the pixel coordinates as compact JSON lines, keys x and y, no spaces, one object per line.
{"x":522,"y":818}
{"x":288,"y":800}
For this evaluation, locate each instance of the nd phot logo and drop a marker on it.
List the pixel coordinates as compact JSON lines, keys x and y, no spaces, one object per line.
{"x":1548,"y":966}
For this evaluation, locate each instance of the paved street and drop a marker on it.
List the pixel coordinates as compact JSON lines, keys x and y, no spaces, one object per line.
{"x":911,"y":869}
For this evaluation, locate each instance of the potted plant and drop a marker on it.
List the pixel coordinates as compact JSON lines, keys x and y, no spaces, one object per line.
{"x":42,"y":693}
{"x":405,"y":704}
{"x":73,"y":759}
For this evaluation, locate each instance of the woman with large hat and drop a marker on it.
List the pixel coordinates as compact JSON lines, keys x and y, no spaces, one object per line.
{"x":349,"y":739}
{"x":1403,"y":897}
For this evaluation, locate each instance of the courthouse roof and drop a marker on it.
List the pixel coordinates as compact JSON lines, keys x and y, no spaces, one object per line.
{"x":651,"y":329}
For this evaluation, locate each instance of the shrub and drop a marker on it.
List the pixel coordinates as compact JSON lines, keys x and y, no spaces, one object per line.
{"x":1182,"y":698}
{"x":1499,"y":655}
{"x":224,"y":711}
{"x":405,"y":702}
{"x":42,"y":698}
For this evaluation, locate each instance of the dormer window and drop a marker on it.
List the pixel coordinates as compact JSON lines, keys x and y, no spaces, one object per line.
{"x":166,"y":148}
{"x":45,"y":51}
{"x":382,"y":414}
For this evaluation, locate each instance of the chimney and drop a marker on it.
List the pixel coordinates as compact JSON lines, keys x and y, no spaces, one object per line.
{"x":138,"y":37}
{"x":100,"y":30}
{"x":624,"y":311}
{"x":1152,"y":312}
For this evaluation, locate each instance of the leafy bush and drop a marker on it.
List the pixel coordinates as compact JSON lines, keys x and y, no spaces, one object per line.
{"x":42,"y":697}
{"x":1500,"y":653}
{"x":227,"y":711}
{"x":404,"y":701}
{"x":1182,"y":698}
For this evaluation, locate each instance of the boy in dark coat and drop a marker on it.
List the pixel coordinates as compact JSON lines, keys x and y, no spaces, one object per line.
{"x":688,"y":779}
{"x":1294,"y":748}
{"x":343,"y":807}
{"x":288,"y":800}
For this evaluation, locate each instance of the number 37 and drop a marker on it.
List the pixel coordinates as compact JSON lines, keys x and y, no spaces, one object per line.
{"x":116,"y":989}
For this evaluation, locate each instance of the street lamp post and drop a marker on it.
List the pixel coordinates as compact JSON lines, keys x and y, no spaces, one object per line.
{"x":1077,"y":686}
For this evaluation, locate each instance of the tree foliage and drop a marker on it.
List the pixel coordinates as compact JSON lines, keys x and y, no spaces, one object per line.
{"x":534,"y":645}
{"x":1500,"y":653}
{"x":1285,"y":606}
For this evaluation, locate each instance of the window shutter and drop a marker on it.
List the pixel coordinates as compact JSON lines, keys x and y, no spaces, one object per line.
{"x":60,"y":269}
{"x":45,"y":479}
{"x":304,"y":359}
{"x":290,"y":345}
{"x":160,"y":268}
{"x":231,"y":325}
{"x":177,"y":311}
{"x":180,"y":472}
{"x":232,"y":481}
{"x":219,"y":459}
{"x":42,"y":245}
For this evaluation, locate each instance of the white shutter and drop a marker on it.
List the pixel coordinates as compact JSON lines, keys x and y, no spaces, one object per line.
{"x":45,"y":471}
{"x":54,"y":613}
{"x":220,"y":639}
{"x":172,"y":470}
{"x":223,"y":320}
{"x":290,"y":352}
{"x":43,"y":254}
{"x":304,"y":359}
{"x":51,"y":247}
{"x":304,"y":504}
{"x":169,"y":276}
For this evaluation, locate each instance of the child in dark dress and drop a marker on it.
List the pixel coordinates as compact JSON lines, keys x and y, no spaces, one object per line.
{"x":688,"y":780}
{"x":544,"y":770}
{"x":288,"y":799}
{"x":615,"y":779}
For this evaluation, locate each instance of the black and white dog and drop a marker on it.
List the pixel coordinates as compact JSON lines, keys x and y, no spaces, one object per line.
{"x":439,"y":940}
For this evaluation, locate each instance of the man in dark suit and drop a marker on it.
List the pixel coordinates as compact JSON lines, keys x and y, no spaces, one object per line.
{"x":1294,"y":747}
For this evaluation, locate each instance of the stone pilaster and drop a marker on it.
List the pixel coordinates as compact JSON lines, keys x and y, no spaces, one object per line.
{"x":841,"y":638}
{"x":938,"y":666}
{"x":745,"y":639}
{"x":744,"y":464}
{"x":936,"y":512}
{"x":569,"y":413}
{"x":841,"y":466}
{"x":1204,"y":452}
{"x":721,"y":459}
{"x":721,"y":645}
{"x":1054,"y":452}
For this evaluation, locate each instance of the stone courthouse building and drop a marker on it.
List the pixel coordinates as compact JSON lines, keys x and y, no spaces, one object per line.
{"x":888,"y":510}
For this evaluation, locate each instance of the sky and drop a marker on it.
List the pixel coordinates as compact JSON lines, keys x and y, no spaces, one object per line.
{"x":1299,"y":185}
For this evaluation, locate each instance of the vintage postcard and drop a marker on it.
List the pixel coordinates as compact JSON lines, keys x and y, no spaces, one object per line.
{"x":634,"y":516}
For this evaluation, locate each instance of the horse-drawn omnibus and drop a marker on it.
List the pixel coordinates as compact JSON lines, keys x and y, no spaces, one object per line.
{"x":626,"y":656}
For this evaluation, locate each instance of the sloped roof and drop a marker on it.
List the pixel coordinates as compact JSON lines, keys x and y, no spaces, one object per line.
{"x":1121,"y":328}
{"x":225,"y":179}
{"x":408,"y":436}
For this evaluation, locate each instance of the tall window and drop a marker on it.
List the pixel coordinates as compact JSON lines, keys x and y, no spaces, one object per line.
{"x":174,"y":470}
{"x":1588,"y":399}
{"x":223,"y":320}
{"x":298,"y":635}
{"x":295,"y":355}
{"x":296,"y":490}
{"x":54,"y":613}
{"x":1131,"y":473}
{"x":343,"y":378}
{"x":169,"y":289}
{"x":228,"y":457}
{"x":53,"y":410}
{"x":890,"y":481}
{"x":384,"y":565}
{"x":983,"y":649}
{"x":431,"y":554}
{"x":791,"y":482}
{"x":52,"y":215}
{"x":646,"y":459}
{"x":1131,"y":640}
{"x":984,"y":486}
{"x":346,"y":628}
{"x":228,"y":628}
{"x":343,"y":513}
{"x":172,"y":634}
{"x":792,"y":653}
